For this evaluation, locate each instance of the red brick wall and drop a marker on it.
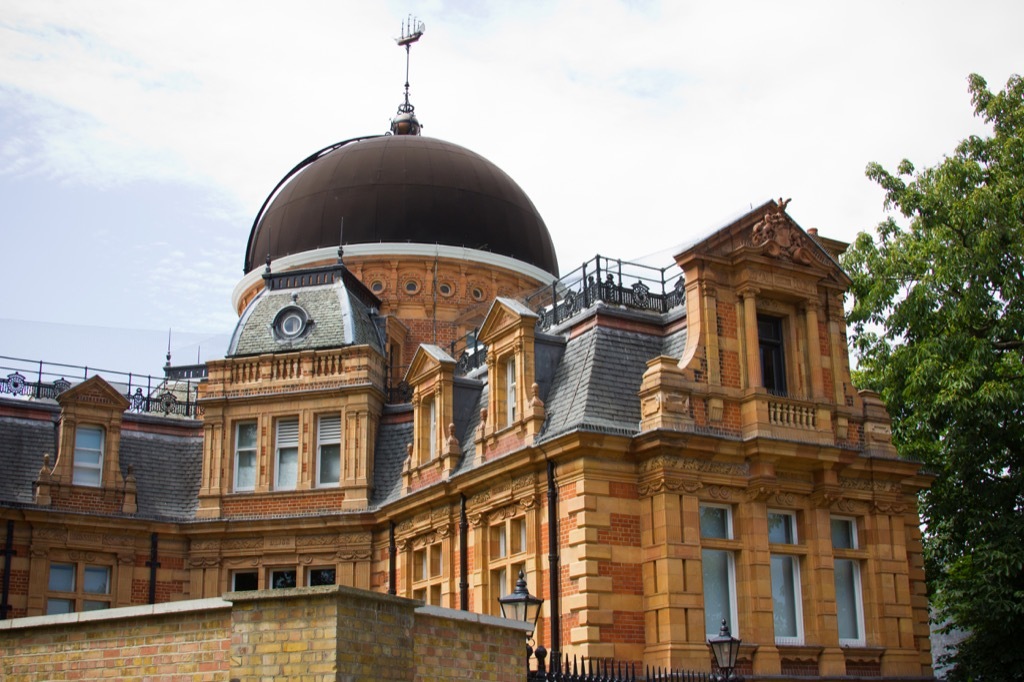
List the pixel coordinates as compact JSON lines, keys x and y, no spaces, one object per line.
{"x":277,"y":503}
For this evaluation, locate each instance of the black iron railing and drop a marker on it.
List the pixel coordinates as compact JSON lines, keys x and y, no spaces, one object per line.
{"x":41,"y":380}
{"x":468,"y":352}
{"x":612,"y":281}
{"x":566,"y":669}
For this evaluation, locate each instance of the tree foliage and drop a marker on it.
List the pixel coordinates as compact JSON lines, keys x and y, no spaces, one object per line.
{"x":938,"y":327}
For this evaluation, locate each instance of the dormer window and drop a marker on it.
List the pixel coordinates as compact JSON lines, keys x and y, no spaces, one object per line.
{"x":88,"y":467}
{"x":432,"y":416}
{"x":291,"y":323}
{"x":510,"y":391}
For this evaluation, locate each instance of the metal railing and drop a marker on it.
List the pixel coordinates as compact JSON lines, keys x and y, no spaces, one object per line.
{"x":468,"y":352}
{"x":42,"y":380}
{"x":612,"y":281}
{"x":564,"y":669}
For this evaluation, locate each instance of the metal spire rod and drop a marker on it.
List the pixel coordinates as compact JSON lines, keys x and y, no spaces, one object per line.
{"x":412,"y":30}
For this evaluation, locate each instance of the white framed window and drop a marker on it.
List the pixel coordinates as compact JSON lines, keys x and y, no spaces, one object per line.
{"x":286,"y":463}
{"x":328,"y":447}
{"x":88,"y":467}
{"x":718,"y":566}
{"x":782,"y":528}
{"x":245,"y":456}
{"x":432,"y":417}
{"x":849,"y":600}
{"x":282,"y":578}
{"x":510,"y":390}
{"x":787,"y":604}
{"x":245,"y":580}
{"x":321,"y":575}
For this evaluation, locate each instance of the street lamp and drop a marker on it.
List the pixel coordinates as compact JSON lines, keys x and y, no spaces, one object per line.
{"x":521,"y":605}
{"x":524,"y":607}
{"x":725,"y":648}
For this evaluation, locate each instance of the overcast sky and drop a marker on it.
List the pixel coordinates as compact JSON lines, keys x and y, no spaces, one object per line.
{"x":138,"y":139}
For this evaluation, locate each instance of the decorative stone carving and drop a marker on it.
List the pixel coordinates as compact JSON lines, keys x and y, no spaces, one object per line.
{"x":762,"y":492}
{"x":719,"y":492}
{"x":779,"y":237}
{"x":524,"y":482}
{"x":244,"y":543}
{"x":315,"y":540}
{"x":674,"y":463}
{"x":668,"y":485}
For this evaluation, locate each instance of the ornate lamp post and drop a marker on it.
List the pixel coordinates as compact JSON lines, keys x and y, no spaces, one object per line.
{"x":524,"y":607}
{"x":725,"y":648}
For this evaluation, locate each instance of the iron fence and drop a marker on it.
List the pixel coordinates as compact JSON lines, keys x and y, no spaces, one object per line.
{"x":566,"y":669}
{"x":612,"y":281}
{"x":42,"y":380}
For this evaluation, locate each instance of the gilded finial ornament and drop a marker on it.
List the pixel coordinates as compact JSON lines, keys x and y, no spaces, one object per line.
{"x":405,"y":122}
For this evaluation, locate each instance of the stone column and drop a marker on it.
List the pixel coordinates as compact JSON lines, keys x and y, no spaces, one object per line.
{"x":814,"y":349}
{"x":749,"y":296}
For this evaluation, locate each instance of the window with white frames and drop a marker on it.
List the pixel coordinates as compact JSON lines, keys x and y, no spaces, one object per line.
{"x":322,"y":575}
{"x":432,"y":416}
{"x":328,"y":446}
{"x":785,"y":570}
{"x":286,"y":465}
{"x":718,"y":564}
{"x":510,"y":390}
{"x":849,"y":601}
{"x":245,"y":580}
{"x":282,"y":578}
{"x":88,"y":468}
{"x":245,"y":456}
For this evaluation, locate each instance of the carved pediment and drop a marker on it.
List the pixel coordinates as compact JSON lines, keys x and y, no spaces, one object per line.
{"x":428,"y":359}
{"x":94,"y":391}
{"x":779,"y":237}
{"x":505,"y":313}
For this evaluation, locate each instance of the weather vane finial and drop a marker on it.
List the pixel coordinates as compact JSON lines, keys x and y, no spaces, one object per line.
{"x":405,"y":122}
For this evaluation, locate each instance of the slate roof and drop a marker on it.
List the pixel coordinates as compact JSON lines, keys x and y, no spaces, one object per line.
{"x":168,"y":470}
{"x":389,"y":458}
{"x":22,"y":444}
{"x":339,"y":319}
{"x":595,"y":386}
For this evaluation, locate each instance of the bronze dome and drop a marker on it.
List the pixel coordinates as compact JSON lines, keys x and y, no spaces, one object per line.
{"x":400,"y":189}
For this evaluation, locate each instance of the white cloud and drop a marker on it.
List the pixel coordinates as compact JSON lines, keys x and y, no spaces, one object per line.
{"x":632,"y":125}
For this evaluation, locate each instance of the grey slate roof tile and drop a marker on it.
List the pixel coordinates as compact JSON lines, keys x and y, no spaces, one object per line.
{"x":390,"y":453}
{"x":22,"y":444}
{"x":168,"y":470}
{"x":596,"y":385}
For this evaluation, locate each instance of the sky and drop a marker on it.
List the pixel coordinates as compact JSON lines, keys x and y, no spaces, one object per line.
{"x":138,"y":139}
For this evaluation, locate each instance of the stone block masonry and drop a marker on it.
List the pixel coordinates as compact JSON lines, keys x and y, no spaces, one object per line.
{"x":315,"y":634}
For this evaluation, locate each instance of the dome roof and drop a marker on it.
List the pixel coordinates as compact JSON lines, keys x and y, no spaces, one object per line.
{"x":400,"y":188}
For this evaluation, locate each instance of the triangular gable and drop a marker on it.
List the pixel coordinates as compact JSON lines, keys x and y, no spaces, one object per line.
{"x":427,"y":359}
{"x":94,"y":391}
{"x":504,"y":313}
{"x":770,"y":232}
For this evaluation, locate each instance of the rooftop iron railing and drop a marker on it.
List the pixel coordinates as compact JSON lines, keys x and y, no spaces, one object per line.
{"x":42,"y":380}
{"x":612,"y":281}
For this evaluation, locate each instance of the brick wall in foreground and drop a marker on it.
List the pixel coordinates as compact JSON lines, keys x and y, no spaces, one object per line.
{"x":315,"y":633}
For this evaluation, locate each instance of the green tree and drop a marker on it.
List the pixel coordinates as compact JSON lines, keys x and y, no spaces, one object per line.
{"x":938,"y":328}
